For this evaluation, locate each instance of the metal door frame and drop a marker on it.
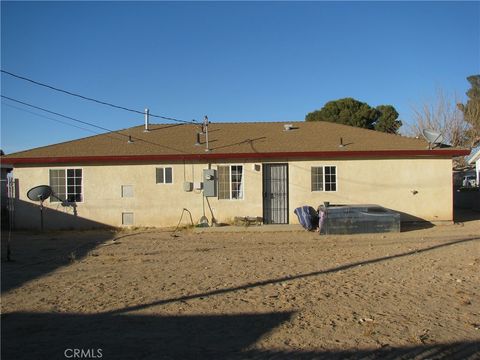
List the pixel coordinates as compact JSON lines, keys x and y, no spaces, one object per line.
{"x":287,"y":187}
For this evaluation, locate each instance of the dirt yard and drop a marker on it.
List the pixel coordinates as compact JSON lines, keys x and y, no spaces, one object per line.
{"x":143,"y":294}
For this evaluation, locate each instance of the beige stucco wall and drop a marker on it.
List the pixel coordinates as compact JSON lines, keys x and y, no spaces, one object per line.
{"x":387,"y":182}
{"x":390,"y":183}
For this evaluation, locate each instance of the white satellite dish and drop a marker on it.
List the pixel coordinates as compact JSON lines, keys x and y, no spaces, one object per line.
{"x":433,"y":137}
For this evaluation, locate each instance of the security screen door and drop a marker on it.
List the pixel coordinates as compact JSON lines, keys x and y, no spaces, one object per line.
{"x":275,"y":193}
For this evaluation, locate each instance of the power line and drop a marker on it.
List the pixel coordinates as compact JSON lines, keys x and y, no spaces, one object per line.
{"x":75,"y":126}
{"x":50,"y":118}
{"x":95,"y":100}
{"x":129,"y":137}
{"x":61,"y":115}
{"x":64,"y":122}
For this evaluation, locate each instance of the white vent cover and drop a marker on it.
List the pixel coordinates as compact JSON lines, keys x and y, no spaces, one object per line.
{"x":127,"y":191}
{"x":127,"y":218}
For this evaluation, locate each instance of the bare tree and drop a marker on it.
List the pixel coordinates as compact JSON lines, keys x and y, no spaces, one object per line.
{"x":471,"y":110}
{"x":442,"y":115}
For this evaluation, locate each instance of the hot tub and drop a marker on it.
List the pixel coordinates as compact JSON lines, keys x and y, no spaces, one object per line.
{"x":357,"y":219}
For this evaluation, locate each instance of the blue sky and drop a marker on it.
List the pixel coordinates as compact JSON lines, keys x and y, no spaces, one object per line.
{"x":234,"y":61}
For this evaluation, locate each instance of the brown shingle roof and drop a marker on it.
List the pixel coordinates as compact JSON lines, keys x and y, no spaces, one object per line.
{"x":231,"y":140}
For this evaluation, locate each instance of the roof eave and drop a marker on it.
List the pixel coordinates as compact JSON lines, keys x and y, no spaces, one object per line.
{"x":226,"y":156}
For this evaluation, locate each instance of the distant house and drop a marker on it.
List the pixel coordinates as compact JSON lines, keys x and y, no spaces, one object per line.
{"x":474,"y":159}
{"x":5,"y":168}
{"x":133,"y":177}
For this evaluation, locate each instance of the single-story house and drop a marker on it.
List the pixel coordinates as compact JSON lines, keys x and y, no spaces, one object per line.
{"x":146,"y":177}
{"x":5,"y":169}
{"x":474,"y":159}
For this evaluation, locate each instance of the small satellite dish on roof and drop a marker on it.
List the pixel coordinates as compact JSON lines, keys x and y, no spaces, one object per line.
{"x":433,"y":137}
{"x":40,"y":193}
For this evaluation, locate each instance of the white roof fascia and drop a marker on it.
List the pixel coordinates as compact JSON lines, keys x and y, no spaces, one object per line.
{"x":475,"y":156}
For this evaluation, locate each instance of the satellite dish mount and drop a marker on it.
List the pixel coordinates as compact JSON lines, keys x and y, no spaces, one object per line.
{"x":40,"y":193}
{"x":434,"y":138}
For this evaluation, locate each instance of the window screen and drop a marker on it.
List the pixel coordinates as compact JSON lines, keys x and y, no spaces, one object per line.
{"x":58,"y":185}
{"x":317,"y":178}
{"x":230,"y":182}
{"x":223,"y":182}
{"x":164,"y":175}
{"x":324,"y":178}
{"x":168,"y":175}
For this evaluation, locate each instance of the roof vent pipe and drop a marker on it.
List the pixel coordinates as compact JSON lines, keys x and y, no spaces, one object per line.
{"x":146,"y":121}
{"x":198,"y":143}
{"x":205,"y":130}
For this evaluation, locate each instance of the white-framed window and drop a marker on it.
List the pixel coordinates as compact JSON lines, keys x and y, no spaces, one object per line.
{"x":67,"y":185}
{"x":324,"y":178}
{"x":230,"y":182}
{"x":164,"y":175}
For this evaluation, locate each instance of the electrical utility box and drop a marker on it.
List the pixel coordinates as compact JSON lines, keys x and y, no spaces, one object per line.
{"x":187,"y":186}
{"x":209,"y":182}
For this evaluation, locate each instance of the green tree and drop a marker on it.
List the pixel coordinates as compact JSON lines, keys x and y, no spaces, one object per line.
{"x":349,"y":111}
{"x":388,"y":120}
{"x":471,"y":110}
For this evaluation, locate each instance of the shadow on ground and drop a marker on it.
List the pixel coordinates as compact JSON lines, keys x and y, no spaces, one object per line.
{"x":415,"y":226}
{"x":29,"y":255}
{"x":36,"y":255}
{"x":465,"y":215}
{"x":50,"y":336}
{"x":47,"y":336}
{"x":459,"y":216}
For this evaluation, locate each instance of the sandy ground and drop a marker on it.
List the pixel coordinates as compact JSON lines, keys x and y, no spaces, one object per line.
{"x":143,"y":294}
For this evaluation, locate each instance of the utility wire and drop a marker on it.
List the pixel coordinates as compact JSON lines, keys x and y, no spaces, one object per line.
{"x":93,"y":125}
{"x":61,"y":115}
{"x":95,"y":100}
{"x":50,"y":118}
{"x":64,"y":122}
